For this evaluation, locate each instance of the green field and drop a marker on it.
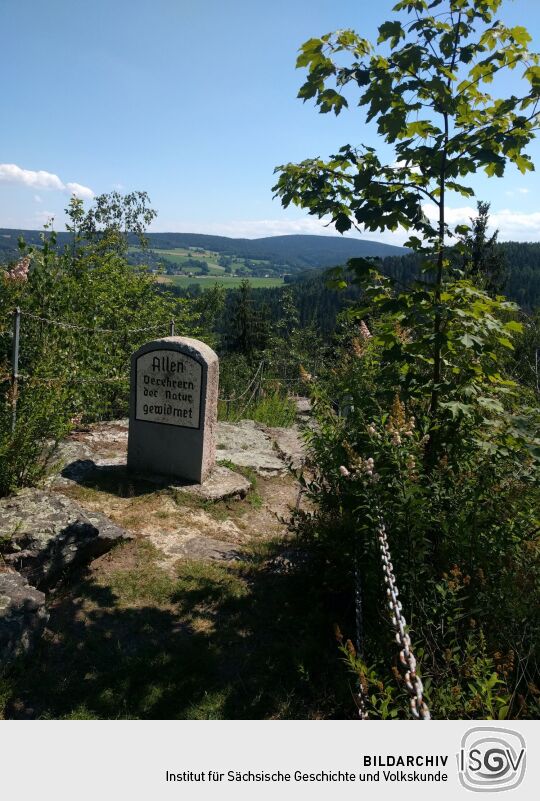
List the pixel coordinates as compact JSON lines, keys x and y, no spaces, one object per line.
{"x":227,"y":281}
{"x":187,"y":261}
{"x":180,"y":256}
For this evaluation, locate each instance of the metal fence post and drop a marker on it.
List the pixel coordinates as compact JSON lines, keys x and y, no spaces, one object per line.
{"x":172,"y":329}
{"x":260,"y":385}
{"x":15,"y":365}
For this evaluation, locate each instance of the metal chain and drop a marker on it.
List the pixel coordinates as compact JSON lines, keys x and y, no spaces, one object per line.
{"x":407,"y":662}
{"x":362,"y":699}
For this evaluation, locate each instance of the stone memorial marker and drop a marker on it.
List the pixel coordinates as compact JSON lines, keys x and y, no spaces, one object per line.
{"x":173,"y":408}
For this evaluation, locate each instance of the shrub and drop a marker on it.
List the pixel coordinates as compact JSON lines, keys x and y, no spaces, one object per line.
{"x":462,"y":521}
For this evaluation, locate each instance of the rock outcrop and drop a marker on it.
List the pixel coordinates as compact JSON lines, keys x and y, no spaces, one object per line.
{"x":289,"y":446}
{"x":23,"y":616}
{"x":247,"y":445}
{"x":44,"y":534}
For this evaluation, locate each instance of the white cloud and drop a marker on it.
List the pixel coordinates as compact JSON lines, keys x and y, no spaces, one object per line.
{"x":38,"y":198}
{"x":80,"y":191}
{"x":248,"y":229}
{"x":520,"y":226}
{"x":13,"y":174}
{"x":462,"y":214}
{"x":259,"y":228}
{"x":512,"y":225}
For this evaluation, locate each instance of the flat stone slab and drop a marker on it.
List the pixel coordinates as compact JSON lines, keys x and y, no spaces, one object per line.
{"x":221,"y":485}
{"x":23,"y":616}
{"x":99,"y":440}
{"x":289,"y":445}
{"x":45,"y":533}
{"x":246,"y":444}
{"x":267,"y":452}
{"x":76,"y":458}
{"x":175,"y":546}
{"x":82,"y":471}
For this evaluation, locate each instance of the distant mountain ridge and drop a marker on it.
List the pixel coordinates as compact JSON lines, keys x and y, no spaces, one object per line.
{"x":296,"y":250}
{"x":309,"y":250}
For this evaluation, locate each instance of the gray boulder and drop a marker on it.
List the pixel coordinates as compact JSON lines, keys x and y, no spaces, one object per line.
{"x":23,"y":616}
{"x":201,"y":548}
{"x":44,"y":534}
{"x":247,"y":445}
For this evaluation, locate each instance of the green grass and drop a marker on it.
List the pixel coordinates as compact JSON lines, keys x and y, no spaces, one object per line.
{"x":229,"y":282}
{"x":212,"y":641}
{"x":181,"y":256}
{"x":274,"y":409}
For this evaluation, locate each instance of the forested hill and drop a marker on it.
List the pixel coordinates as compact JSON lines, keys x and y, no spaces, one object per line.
{"x":307,"y":252}
{"x":318,"y":305}
{"x":521,"y":271}
{"x":298,"y":251}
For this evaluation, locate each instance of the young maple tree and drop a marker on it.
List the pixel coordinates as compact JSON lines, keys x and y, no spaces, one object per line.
{"x":426,"y":91}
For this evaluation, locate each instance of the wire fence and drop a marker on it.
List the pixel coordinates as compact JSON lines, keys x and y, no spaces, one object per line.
{"x":235,"y":397}
{"x":71,"y":379}
{"x":235,"y":402}
{"x":15,"y":377}
{"x":97,"y":330}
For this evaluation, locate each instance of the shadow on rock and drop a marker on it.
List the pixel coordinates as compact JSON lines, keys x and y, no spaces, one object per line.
{"x":114,"y":479}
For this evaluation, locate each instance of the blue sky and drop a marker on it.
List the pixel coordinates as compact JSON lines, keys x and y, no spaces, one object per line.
{"x":193,"y":101}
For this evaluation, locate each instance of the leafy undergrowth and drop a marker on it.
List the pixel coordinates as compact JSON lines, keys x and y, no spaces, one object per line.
{"x":219,"y":641}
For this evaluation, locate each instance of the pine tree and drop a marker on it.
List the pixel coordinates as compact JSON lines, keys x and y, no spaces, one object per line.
{"x":248,"y":331}
{"x":483,"y":260}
